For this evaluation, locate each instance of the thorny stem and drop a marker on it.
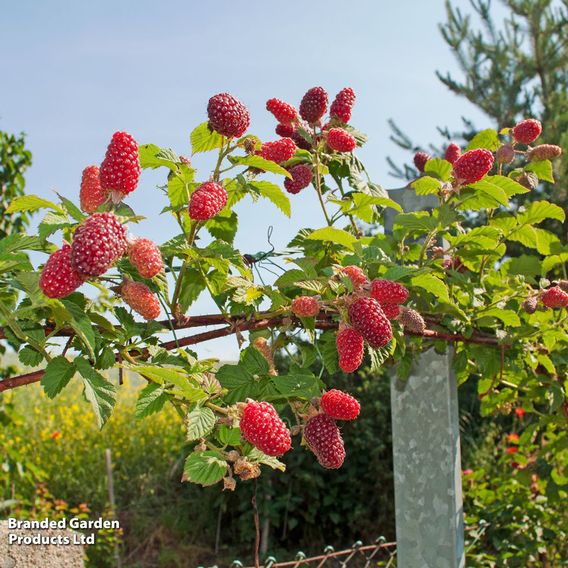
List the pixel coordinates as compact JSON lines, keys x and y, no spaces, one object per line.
{"x":318,"y":189}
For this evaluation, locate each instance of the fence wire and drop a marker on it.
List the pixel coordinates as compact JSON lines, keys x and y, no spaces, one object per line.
{"x":380,"y":553}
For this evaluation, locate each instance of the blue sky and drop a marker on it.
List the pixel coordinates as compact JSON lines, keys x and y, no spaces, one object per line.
{"x":75,"y":72}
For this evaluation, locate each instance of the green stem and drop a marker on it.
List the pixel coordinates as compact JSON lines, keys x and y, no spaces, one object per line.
{"x":318,"y":189}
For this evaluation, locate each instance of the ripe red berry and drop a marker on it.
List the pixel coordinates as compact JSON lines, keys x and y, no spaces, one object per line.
{"x":58,"y":277}
{"x":527,"y":131}
{"x":314,"y":105}
{"x":388,"y":292}
{"x":343,"y":104}
{"x":392,"y":311}
{"x":324,"y":439}
{"x":301,"y":178}
{"x":411,"y":320}
{"x":340,"y":140}
{"x":453,"y":152}
{"x":98,"y":242}
{"x":207,"y":200}
{"x":278,"y":151}
{"x":473,"y":165}
{"x":91,"y":195}
{"x":264,"y":429}
{"x":286,"y":130}
{"x":420,"y":159}
{"x":120,"y":169}
{"x":227,"y":115}
{"x":350,"y":348}
{"x":141,"y":299}
{"x":340,"y":405}
{"x":555,"y":297}
{"x":305,"y":306}
{"x":368,"y":318}
{"x":356,"y":275}
{"x":146,"y":257}
{"x":282,"y":111}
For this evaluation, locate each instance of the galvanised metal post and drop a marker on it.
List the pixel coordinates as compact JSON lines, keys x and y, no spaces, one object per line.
{"x":426,"y":449}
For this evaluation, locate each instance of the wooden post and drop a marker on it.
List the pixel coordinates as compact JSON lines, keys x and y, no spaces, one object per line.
{"x":111,"y":499}
{"x":426,"y":449}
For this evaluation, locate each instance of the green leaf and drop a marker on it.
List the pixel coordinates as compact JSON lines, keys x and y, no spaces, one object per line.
{"x":426,"y":185}
{"x":19,"y":241}
{"x":508,"y":185}
{"x":229,"y":436}
{"x":333,"y":235}
{"x":57,"y":375}
{"x":273,"y":193}
{"x":151,"y":400}
{"x":205,"y":468}
{"x":432,"y":284}
{"x":256,"y":456}
{"x":98,"y":391}
{"x":260,"y":164}
{"x":491,"y":190}
{"x":525,"y":264}
{"x":299,"y":384}
{"x":29,"y":356}
{"x":53,"y":222}
{"x":199,"y":422}
{"x":538,"y":211}
{"x":31,"y":203}
{"x":152,"y":156}
{"x":223,"y":226}
{"x":508,"y":317}
{"x":542,"y":169}
{"x":485,"y":139}
{"x":241,"y":380}
{"x":81,"y":324}
{"x":72,"y":209}
{"x":440,"y":168}
{"x":420,"y":221}
{"x":165,"y":375}
{"x":203,"y":139}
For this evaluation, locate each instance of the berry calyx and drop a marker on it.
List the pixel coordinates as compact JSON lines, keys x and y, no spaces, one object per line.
{"x":411,"y":320}
{"x":98,"y":242}
{"x":314,"y":105}
{"x":120,"y":170}
{"x":420,"y":159}
{"x":368,"y":318}
{"x":264,"y":429}
{"x":227,"y":115}
{"x":473,"y":165}
{"x":324,"y":439}
{"x":91,"y":195}
{"x":340,"y":405}
{"x":301,"y":178}
{"x":58,"y":277}
{"x":340,"y":140}
{"x":305,"y":306}
{"x":555,"y":297}
{"x":388,"y":292}
{"x":207,"y":200}
{"x":343,"y":104}
{"x":283,"y":112}
{"x":350,"y":348}
{"x":278,"y":151}
{"x":527,"y":131}
{"x":453,"y":152}
{"x":146,"y":257}
{"x":356,"y":275}
{"x":141,"y":299}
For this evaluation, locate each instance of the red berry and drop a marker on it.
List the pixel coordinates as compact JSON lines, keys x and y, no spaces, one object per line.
{"x":388,"y":292}
{"x":146,"y":257}
{"x":473,"y":165}
{"x":305,"y":306}
{"x":314,"y":105}
{"x":282,"y":111}
{"x":555,"y":297}
{"x":411,"y":320}
{"x":340,"y":140}
{"x":58,"y":277}
{"x":368,"y":318}
{"x":339,"y":405}
{"x":98,"y":242}
{"x":392,"y":311}
{"x":301,"y":178}
{"x":227,"y":115}
{"x":453,"y":152}
{"x":286,"y":130}
{"x":207,"y":200}
{"x":300,"y":141}
{"x":91,"y":196}
{"x":264,"y":429}
{"x":520,"y":412}
{"x":342,"y":104}
{"x":420,"y":159}
{"x":527,"y":131}
{"x":141,"y":299}
{"x":454,"y":263}
{"x":120,"y":169}
{"x":350,"y":348}
{"x":278,"y":151}
{"x":324,"y":439}
{"x":356,"y":275}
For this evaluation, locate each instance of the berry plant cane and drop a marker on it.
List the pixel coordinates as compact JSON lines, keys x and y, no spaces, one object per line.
{"x":344,"y":291}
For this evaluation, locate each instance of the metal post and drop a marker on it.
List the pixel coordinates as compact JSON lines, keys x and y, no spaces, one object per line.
{"x":426,"y":450}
